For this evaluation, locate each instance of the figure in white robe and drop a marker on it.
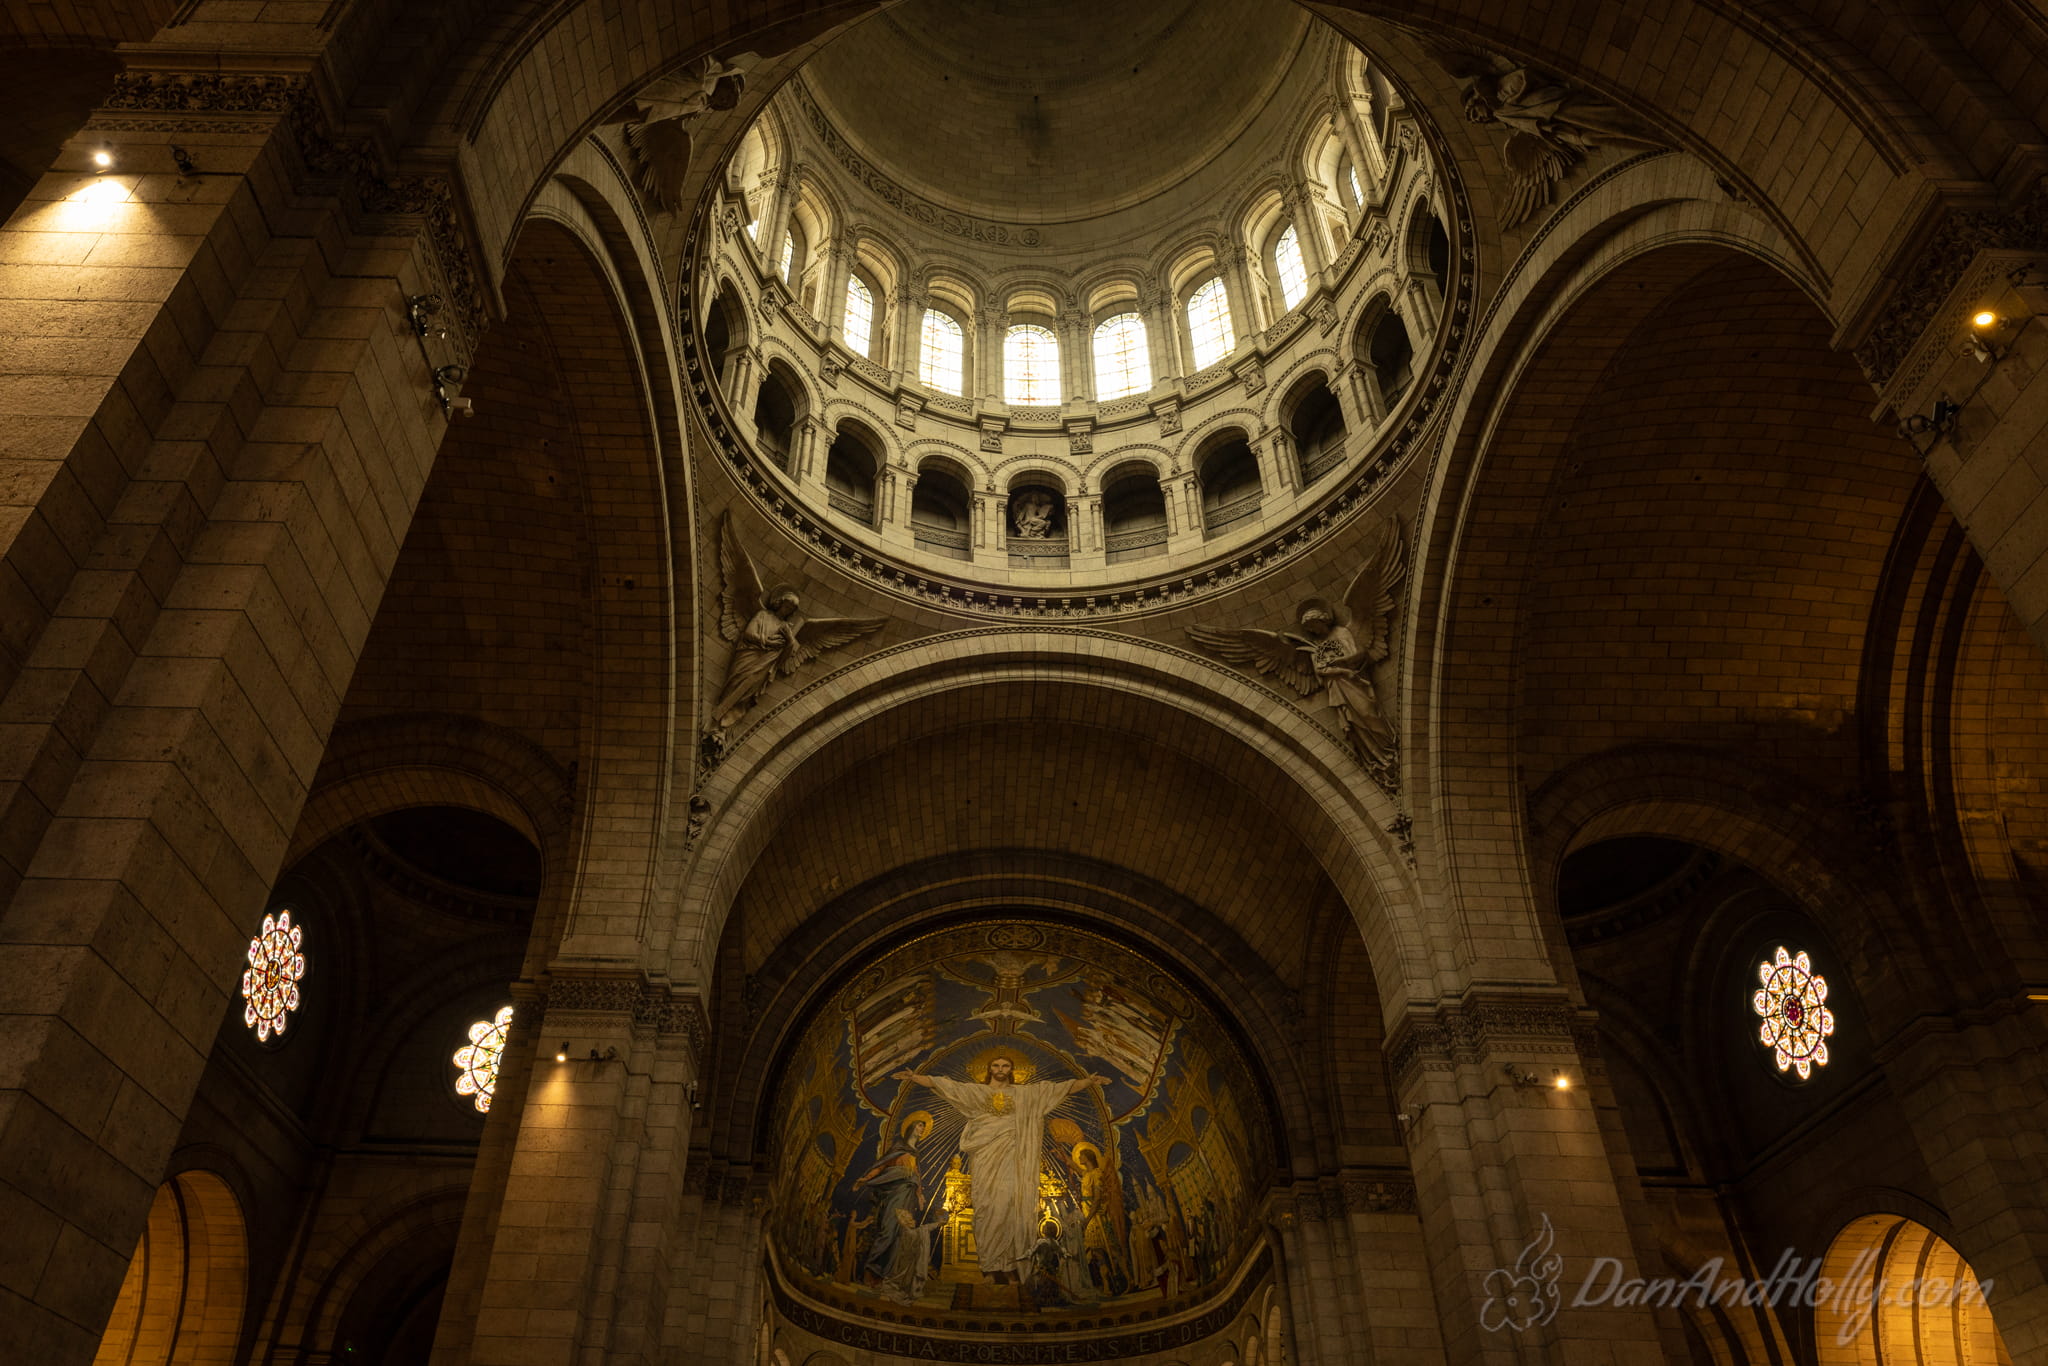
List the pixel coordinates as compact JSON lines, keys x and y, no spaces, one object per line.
{"x":1004,"y":1139}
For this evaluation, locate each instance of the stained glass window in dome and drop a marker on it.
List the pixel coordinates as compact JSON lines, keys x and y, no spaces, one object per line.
{"x":1122,"y":366}
{"x":477,"y":1061}
{"x":1289,"y":266}
{"x":942,"y":352}
{"x":860,"y":315}
{"x":1031,"y":366}
{"x":1796,"y":1019}
{"x":1209,"y":324}
{"x":270,"y":984}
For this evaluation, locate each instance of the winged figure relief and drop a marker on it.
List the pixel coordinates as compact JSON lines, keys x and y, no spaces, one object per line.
{"x":1551,"y":124}
{"x":1332,"y":650}
{"x":661,"y":146}
{"x":771,"y":637}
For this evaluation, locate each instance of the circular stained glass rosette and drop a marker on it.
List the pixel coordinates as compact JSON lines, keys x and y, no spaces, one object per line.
{"x":1796,"y":1019}
{"x":478,"y":1059}
{"x":270,"y":984}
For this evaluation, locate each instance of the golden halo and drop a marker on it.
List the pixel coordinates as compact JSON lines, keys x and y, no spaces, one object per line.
{"x":1086,"y":1147}
{"x":1022,"y":1067}
{"x":923,"y":1117}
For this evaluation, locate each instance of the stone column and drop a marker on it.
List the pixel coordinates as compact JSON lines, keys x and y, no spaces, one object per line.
{"x":988,"y":539}
{"x":1351,"y":401}
{"x":240,"y":436}
{"x":988,"y":357}
{"x":1077,"y":358}
{"x":832,"y":305}
{"x":1162,"y":337}
{"x":1237,"y":283}
{"x":1989,"y":457}
{"x":1183,"y":514}
{"x":1279,"y":471}
{"x":893,"y":489}
{"x":578,"y":1267}
{"x":904,"y":344}
{"x":1305,"y":204}
{"x":1344,"y":122}
{"x":1508,"y":1168}
{"x":1084,"y":531}
{"x":775,"y":217}
{"x":807,"y":458}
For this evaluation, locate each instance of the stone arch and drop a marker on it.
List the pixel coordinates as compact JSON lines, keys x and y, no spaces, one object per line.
{"x":1310,"y":777}
{"x":367,"y":1243}
{"x":1906,"y":1298}
{"x":186,"y":1290}
{"x":1612,"y":240}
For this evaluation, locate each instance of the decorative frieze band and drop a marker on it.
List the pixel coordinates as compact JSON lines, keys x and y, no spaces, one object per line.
{"x":650,"y":1005}
{"x":207,"y":101}
{"x":1357,"y":1190}
{"x":1936,"y":269}
{"x":1482,"y":1026}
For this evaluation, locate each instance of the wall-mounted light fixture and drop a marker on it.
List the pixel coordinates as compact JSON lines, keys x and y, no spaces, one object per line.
{"x":1525,"y":1080}
{"x":184,"y":160}
{"x":1988,"y":329}
{"x":1931,"y":425}
{"x":695,"y":1099}
{"x":103,"y":161}
{"x":609,"y":1054}
{"x":445,"y":380}
{"x":420,"y":310}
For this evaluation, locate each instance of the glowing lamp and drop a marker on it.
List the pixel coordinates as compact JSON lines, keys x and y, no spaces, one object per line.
{"x":1983,"y":318}
{"x":102,"y":160}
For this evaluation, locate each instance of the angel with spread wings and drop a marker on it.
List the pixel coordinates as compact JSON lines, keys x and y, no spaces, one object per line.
{"x":662,"y":145}
{"x":1327,"y":653}
{"x":1551,"y":124}
{"x":771,"y":638}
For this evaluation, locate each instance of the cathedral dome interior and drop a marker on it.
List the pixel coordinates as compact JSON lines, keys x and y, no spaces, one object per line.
{"x":1186,"y":682}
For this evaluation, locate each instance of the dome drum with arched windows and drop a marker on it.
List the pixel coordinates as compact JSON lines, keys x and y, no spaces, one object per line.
{"x":861,"y":272}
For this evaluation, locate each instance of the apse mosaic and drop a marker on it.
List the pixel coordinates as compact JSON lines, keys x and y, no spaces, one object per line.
{"x":1016,"y":1116}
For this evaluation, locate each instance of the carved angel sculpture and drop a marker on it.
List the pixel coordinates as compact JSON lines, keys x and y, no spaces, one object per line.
{"x":662,"y":145}
{"x":1033,"y":514}
{"x":1334,"y":649}
{"x":1551,"y":124}
{"x":771,"y":637}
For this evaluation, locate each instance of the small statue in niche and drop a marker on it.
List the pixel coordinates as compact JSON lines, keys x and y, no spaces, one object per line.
{"x":770,"y":635}
{"x":662,"y":145}
{"x":1031,"y":511}
{"x":1325,"y":651}
{"x":1551,"y":124}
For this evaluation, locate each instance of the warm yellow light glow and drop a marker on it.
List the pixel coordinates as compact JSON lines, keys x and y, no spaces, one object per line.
{"x":1564,"y":1083}
{"x":562,"y":1053}
{"x":1983,"y":318}
{"x":103,"y":159}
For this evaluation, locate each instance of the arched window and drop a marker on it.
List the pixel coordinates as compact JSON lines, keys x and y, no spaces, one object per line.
{"x":860,"y":315}
{"x":270,"y":984}
{"x":1122,"y":365}
{"x":782,"y":262}
{"x":1288,"y":265}
{"x":1209,"y":324}
{"x":1357,"y":190}
{"x":476,"y":1062}
{"x":1031,"y":366}
{"x":941,"y":353}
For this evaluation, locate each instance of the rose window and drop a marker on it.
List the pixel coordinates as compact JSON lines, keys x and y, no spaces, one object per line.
{"x":1796,"y":1019}
{"x":270,"y":984}
{"x":478,"y":1059}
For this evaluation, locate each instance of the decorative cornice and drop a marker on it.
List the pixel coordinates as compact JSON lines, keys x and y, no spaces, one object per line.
{"x":910,"y":205}
{"x":1934,"y":271}
{"x":234,"y":101}
{"x":649,"y":1005}
{"x":1473,"y":1030}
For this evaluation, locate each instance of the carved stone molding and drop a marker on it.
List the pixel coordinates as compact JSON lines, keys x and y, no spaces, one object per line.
{"x":910,"y":205}
{"x":648,"y":1005}
{"x":230,"y":102}
{"x":1938,"y":267}
{"x":1481,"y":1026}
